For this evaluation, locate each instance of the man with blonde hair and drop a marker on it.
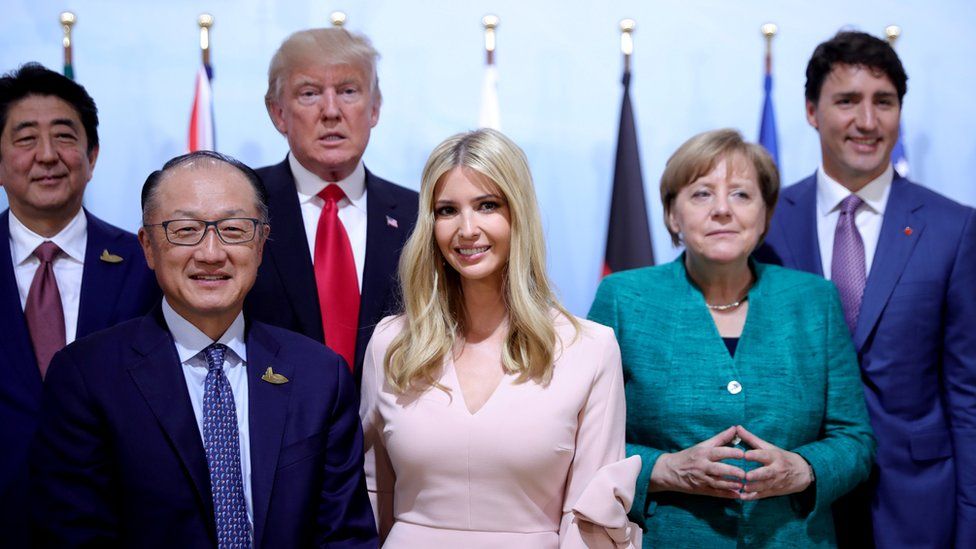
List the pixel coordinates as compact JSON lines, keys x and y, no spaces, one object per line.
{"x":330,"y":273}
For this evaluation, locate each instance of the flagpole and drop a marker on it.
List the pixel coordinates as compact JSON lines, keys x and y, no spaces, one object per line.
{"x":205,"y":21}
{"x":338,"y":19}
{"x":892,"y":32}
{"x":490,"y":112}
{"x":627,"y":27}
{"x":769,"y":31}
{"x":68,"y":20}
{"x":898,"y":156}
{"x":490,"y":23}
{"x":628,"y":233}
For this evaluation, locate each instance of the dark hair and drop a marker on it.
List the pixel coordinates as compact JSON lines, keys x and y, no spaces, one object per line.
{"x":151,"y":186}
{"x":34,"y":79}
{"x":854,"y":48}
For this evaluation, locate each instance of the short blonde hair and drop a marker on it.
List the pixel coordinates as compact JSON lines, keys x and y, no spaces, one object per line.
{"x":328,"y":46}
{"x":432,"y":293}
{"x":699,"y":155}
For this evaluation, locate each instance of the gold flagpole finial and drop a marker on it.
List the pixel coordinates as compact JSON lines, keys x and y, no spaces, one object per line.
{"x":205,"y":21}
{"x":338,"y":18}
{"x":68,"y":20}
{"x":627,"y":27}
{"x":892,"y":32}
{"x":490,"y":23}
{"x":769,"y":31}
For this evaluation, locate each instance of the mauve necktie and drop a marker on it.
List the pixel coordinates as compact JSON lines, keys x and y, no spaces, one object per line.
{"x":335,"y":278}
{"x":45,"y":317}
{"x":847,"y":269}
{"x":222,"y":445}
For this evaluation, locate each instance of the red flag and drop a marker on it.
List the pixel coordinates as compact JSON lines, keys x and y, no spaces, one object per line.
{"x":201,"y":117}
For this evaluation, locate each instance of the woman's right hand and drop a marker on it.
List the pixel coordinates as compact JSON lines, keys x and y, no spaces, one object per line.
{"x":699,"y":470}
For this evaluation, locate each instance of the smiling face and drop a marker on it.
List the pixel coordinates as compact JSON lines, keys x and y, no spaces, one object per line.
{"x":326,"y":112}
{"x":721,"y":215}
{"x":857,"y":116}
{"x":206,"y":284}
{"x":44,"y":163}
{"x":472,"y":226}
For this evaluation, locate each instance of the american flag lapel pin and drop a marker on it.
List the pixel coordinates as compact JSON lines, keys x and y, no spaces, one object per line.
{"x":390,"y":222}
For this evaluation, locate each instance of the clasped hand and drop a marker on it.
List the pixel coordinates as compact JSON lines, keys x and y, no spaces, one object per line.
{"x":699,"y":469}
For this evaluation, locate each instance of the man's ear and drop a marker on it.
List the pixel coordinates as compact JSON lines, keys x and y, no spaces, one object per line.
{"x":277,"y":115}
{"x":812,"y":115}
{"x":147,"y":248}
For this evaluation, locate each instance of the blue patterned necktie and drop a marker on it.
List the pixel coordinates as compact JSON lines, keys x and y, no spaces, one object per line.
{"x":847,"y":268}
{"x":220,"y":440}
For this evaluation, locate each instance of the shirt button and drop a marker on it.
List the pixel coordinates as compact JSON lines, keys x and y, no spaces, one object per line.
{"x":734,"y":387}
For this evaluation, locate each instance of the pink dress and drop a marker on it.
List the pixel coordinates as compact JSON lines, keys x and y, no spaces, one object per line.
{"x":536,"y":467}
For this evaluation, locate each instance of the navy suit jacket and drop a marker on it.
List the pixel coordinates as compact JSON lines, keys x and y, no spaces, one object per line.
{"x":119,"y":459}
{"x":916,"y":343}
{"x":285,"y":294}
{"x":110,"y":293}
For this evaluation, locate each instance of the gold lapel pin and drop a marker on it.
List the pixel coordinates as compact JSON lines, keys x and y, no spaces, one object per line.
{"x":110,"y":258}
{"x":273,"y":378}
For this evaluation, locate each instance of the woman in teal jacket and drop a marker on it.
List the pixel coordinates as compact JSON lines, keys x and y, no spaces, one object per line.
{"x":743,"y":389}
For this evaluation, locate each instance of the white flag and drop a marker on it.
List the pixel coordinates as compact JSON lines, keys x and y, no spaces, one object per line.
{"x":490,"y":117}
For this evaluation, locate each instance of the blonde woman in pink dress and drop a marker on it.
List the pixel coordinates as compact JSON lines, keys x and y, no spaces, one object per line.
{"x":492,"y":416}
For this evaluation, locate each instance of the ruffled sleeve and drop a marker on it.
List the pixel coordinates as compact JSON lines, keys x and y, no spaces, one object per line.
{"x":599,"y":517}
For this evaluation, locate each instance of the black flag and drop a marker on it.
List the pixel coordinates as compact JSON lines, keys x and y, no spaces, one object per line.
{"x":629,"y":235}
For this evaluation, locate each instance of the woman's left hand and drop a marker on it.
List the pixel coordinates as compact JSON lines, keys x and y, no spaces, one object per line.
{"x":782,"y":472}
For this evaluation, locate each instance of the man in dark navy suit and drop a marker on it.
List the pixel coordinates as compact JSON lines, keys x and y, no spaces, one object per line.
{"x":194,"y":426}
{"x":64,"y":273}
{"x":330,"y":272}
{"x":904,"y":261}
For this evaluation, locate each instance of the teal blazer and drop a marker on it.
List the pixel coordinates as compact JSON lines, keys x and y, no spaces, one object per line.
{"x":800,"y":390}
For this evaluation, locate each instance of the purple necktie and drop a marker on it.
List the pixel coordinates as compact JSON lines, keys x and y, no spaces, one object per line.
{"x":847,"y":266}
{"x":45,"y":317}
{"x":221,"y":442}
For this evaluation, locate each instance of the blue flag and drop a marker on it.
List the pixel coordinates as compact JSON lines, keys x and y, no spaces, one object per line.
{"x":767,"y":126}
{"x":898,"y":156}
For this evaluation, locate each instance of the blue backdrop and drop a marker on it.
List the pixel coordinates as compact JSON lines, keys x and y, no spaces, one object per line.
{"x":698,"y":65}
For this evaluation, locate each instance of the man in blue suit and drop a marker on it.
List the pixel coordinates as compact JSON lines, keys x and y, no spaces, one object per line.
{"x":904,"y":261}
{"x":93,"y":277}
{"x":324,"y":97}
{"x":193,"y":426}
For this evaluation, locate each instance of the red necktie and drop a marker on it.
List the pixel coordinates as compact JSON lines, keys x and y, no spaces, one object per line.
{"x":45,"y":317}
{"x":335,"y":278}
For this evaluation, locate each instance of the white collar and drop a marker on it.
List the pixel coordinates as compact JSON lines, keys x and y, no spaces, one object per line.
{"x":190,"y":340}
{"x":71,"y":239}
{"x":310,"y":185}
{"x":830,"y":193}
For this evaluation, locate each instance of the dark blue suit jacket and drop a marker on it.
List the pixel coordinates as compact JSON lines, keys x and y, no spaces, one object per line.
{"x":110,"y":293}
{"x":119,"y":459}
{"x":285,"y":294}
{"x":916,"y":343}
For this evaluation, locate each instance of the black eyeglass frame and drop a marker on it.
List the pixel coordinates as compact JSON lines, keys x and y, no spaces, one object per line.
{"x":206,"y":227}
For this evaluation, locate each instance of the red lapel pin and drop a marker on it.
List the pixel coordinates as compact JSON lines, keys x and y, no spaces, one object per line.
{"x":908,"y":231}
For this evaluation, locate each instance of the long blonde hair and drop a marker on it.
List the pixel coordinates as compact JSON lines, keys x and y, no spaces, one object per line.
{"x":432,"y":295}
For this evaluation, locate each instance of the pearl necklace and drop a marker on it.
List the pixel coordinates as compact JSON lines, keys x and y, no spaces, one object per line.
{"x":727,"y":306}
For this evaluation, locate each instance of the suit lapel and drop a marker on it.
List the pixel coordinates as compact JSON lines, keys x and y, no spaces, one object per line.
{"x":160,"y":380}
{"x":268,"y":405}
{"x":15,"y":343}
{"x":892,"y":253}
{"x":799,"y":217}
{"x":383,"y":236}
{"x":101,"y":282}
{"x":289,"y":250}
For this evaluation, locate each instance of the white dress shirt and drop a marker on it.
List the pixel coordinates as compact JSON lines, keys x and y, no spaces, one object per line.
{"x":868,"y":217}
{"x":352,"y":209}
{"x":68,"y":266}
{"x":190,"y":343}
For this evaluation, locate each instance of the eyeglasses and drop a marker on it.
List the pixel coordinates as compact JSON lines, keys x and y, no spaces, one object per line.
{"x":190,"y":232}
